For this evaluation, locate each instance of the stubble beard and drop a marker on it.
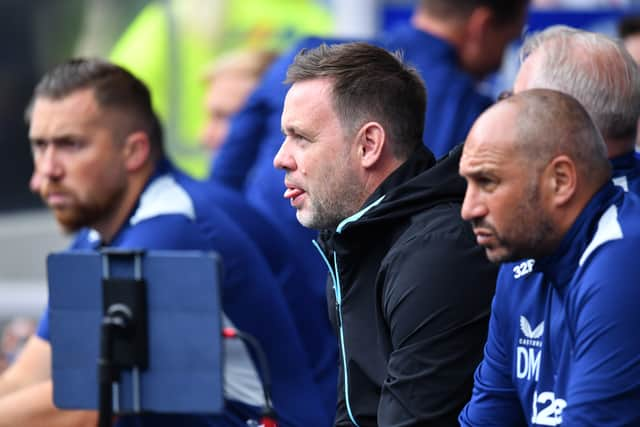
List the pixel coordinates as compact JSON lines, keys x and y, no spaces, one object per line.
{"x":338,"y":200}
{"x":530,"y":236}
{"x":89,"y":213}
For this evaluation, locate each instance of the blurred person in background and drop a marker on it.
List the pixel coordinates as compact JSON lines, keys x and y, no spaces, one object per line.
{"x":229,"y":80}
{"x":599,"y":72}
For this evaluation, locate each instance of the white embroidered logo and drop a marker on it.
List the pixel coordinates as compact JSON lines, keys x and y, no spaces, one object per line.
{"x":547,"y":409}
{"x":525,"y":327}
{"x":528,"y":351}
{"x":524,"y":268}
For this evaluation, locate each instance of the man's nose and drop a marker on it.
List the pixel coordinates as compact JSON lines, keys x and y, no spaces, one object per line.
{"x":48,"y":165}
{"x":35,"y":182}
{"x":472,"y":206}
{"x":283,"y":158}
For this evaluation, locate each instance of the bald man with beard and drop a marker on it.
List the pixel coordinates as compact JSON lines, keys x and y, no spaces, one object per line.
{"x":539,"y":197}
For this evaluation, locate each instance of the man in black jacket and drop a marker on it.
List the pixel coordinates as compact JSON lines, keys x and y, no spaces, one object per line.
{"x":410,"y":291}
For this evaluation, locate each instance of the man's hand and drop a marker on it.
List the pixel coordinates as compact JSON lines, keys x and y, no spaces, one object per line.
{"x":32,"y":366}
{"x":33,"y":406}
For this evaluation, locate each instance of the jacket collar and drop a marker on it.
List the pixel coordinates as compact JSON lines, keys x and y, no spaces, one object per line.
{"x":162,"y":167}
{"x":579,"y":241}
{"x":625,"y":163}
{"x":421,"y":160}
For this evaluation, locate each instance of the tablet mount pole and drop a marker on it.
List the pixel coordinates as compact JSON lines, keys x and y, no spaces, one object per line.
{"x":268,"y":418}
{"x":124,"y":333}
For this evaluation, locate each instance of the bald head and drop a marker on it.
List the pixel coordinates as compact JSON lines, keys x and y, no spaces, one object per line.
{"x":532,"y":162}
{"x":547,"y":123}
{"x":594,"y":69}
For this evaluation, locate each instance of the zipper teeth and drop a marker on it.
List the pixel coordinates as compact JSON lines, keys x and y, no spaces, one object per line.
{"x":326,"y":261}
{"x":338,"y":294}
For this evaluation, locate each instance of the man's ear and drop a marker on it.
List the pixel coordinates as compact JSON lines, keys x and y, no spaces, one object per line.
{"x":137,"y":149}
{"x":479,"y":22}
{"x":562,"y":179}
{"x":370,"y":141}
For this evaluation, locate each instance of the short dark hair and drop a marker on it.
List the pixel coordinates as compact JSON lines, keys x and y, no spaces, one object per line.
{"x":369,"y":84}
{"x":504,"y":10}
{"x":114,"y":89}
{"x":628,"y":26}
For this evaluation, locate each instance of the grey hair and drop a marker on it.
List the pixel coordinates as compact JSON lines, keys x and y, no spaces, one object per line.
{"x":595,"y":69}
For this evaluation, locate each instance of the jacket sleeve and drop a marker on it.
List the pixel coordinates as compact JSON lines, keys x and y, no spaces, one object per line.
{"x":603,"y":384}
{"x":495,"y":400}
{"x":436,"y":302}
{"x":236,"y":156}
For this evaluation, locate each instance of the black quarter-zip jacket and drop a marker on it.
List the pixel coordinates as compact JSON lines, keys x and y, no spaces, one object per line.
{"x":409,"y":297}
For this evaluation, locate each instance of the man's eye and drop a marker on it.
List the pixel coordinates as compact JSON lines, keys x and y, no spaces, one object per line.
{"x":485,"y":182}
{"x":296,"y":137}
{"x":70,"y":144}
{"x":38,"y":145}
